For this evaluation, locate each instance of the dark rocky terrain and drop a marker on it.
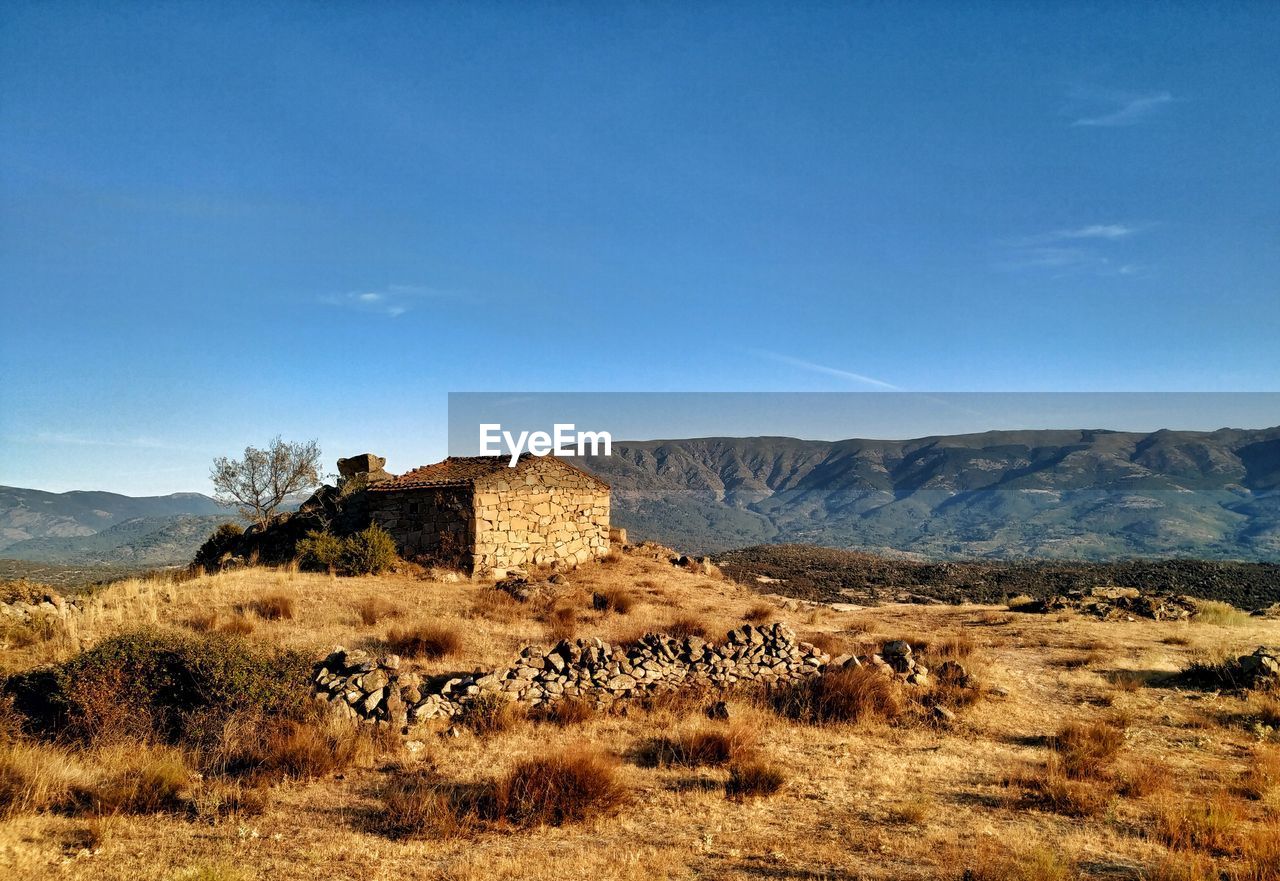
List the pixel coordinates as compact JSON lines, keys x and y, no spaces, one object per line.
{"x":830,"y":575}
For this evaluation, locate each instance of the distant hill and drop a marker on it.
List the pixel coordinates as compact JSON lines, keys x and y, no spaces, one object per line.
{"x":1069,"y":494}
{"x":32,"y":514}
{"x":140,"y":543}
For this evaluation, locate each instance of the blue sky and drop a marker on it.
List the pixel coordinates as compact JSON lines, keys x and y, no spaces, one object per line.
{"x":225,"y":222}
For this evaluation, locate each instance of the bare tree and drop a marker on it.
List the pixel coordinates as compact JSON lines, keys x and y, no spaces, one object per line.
{"x":259,"y":484}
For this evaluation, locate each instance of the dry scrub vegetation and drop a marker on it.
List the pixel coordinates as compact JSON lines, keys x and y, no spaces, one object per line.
{"x":1078,"y":757}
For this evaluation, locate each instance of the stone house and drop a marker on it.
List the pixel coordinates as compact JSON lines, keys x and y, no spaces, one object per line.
{"x":480,"y":514}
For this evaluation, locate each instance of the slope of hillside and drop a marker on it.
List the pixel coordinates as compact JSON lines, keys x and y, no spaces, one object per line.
{"x":141,"y":542}
{"x":1087,"y":494}
{"x":32,"y":513}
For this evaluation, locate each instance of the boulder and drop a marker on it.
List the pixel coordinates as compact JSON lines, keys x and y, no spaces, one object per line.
{"x":365,"y":463}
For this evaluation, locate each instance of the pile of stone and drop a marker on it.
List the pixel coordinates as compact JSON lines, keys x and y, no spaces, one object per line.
{"x":1116,"y":604}
{"x":593,"y":671}
{"x":361,"y":686}
{"x":894,"y":659}
{"x":375,"y":689}
{"x":1259,"y":670}
{"x":31,"y":606}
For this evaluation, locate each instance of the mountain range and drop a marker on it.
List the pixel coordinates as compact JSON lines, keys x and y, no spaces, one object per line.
{"x":96,"y":528}
{"x":1048,"y":494}
{"x":1000,"y":495}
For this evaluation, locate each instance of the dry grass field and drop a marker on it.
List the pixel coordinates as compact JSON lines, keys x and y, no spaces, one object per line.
{"x":1080,"y":759}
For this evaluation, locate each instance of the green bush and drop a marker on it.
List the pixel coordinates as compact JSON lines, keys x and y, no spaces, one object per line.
{"x":223,"y":541}
{"x":368,"y":552}
{"x":149,"y":684}
{"x":320,"y":551}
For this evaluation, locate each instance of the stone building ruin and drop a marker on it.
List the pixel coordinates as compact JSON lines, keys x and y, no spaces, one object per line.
{"x":479,"y":514}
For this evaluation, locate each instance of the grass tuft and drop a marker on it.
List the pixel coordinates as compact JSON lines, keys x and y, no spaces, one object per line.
{"x":426,"y":641}
{"x":375,"y":609}
{"x":840,"y":696}
{"x":612,"y":599}
{"x":753,"y":778}
{"x":273,"y":607}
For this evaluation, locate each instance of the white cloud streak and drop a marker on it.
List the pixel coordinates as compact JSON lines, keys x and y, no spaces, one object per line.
{"x":828,"y":371}
{"x":1086,"y":249}
{"x":1128,"y":110}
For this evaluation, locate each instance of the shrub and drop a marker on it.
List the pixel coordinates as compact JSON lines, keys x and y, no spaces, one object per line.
{"x":1207,"y":825}
{"x":418,"y":803}
{"x":1127,"y":680}
{"x":171,"y":686}
{"x":429,"y":641}
{"x":752,"y":779}
{"x":202,"y":622}
{"x":554,"y":790}
{"x":1217,"y":612}
{"x":237,"y":626}
{"x":495,"y":605}
{"x":369,"y":552}
{"x":713,"y":746}
{"x":612,"y":600}
{"x":830,"y":643}
{"x":562,"y":624}
{"x":301,"y":749}
{"x":1262,"y":775}
{"x":224,"y":540}
{"x":374,"y":609}
{"x":273,"y":607}
{"x":144,"y":780}
{"x":1087,"y":749}
{"x":686,"y":626}
{"x":1143,"y":778}
{"x":1022,"y":603}
{"x":491,"y":713}
{"x":33,"y":778}
{"x":760,"y":613}
{"x":570,"y":711}
{"x":320,"y":551}
{"x":839,"y":696}
{"x":1052,"y":788}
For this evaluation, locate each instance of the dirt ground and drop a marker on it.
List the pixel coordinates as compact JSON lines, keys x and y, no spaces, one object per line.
{"x":871,"y":800}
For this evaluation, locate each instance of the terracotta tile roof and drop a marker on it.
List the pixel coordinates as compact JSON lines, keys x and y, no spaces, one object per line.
{"x":461,"y":471}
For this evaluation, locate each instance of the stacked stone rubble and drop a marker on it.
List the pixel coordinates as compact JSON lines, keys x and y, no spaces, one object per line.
{"x":1117,"y":603}
{"x":590,"y":670}
{"x":593,"y":671}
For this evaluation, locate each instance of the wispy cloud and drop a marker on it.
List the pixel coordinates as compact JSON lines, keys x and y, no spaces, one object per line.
{"x":828,"y":371}
{"x":391,"y":301}
{"x":57,"y":438}
{"x":1111,"y":110}
{"x":1093,"y":248}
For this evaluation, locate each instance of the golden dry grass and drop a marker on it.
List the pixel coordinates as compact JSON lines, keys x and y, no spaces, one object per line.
{"x":849,"y":791}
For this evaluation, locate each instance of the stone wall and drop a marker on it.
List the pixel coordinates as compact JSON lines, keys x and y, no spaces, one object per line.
{"x":545,"y":512}
{"x":436,"y":523}
{"x":374,"y":689}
